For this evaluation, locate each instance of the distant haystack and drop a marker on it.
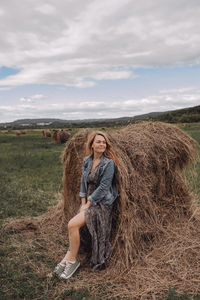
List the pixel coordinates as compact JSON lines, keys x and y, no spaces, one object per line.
{"x":46,"y":133}
{"x":64,"y":136}
{"x":56,"y":136}
{"x":22,"y":131}
{"x":60,"y":136}
{"x":18,"y":132}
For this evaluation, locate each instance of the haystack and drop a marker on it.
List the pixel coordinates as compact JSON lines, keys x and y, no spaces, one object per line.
{"x":154,"y":203}
{"x":23,"y":131}
{"x":64,"y":136}
{"x":18,"y":132}
{"x":46,"y":133}
{"x":56,"y":136}
{"x":60,"y":136}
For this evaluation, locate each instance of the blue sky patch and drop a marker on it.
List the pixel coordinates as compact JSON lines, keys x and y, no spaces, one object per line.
{"x":5,"y":72}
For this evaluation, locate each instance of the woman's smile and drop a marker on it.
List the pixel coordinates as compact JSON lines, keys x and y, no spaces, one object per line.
{"x":99,"y":144}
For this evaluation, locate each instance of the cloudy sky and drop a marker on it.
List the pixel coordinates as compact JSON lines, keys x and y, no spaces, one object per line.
{"x":80,"y":59}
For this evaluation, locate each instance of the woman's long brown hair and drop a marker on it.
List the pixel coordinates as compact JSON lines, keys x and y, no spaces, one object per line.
{"x":109,"y":152}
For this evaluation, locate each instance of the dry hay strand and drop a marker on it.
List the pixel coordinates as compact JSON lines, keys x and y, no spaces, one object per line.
{"x":154,"y":204}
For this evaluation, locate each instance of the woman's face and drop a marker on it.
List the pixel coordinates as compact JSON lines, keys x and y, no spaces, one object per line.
{"x":99,"y":144}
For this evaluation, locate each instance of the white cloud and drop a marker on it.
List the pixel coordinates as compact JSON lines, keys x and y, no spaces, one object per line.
{"x":5,"y":88}
{"x":6,"y":108}
{"x":78,"y":43}
{"x":99,"y":108}
{"x":32,"y":98}
{"x":142,"y":102}
{"x":180,"y":90}
{"x":46,"y":9}
{"x":1,"y":12}
{"x":38,"y":96}
{"x":83,"y":84}
{"x":23,"y":99}
{"x":113,"y":75}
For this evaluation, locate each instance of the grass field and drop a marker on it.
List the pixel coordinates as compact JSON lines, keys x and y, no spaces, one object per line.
{"x":30,"y":180}
{"x":30,"y":174}
{"x":193,"y":174}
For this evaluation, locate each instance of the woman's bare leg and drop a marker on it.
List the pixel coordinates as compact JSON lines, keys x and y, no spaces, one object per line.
{"x":74,"y":237}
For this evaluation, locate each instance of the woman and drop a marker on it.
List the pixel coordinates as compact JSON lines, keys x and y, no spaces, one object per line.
{"x":97,"y":194}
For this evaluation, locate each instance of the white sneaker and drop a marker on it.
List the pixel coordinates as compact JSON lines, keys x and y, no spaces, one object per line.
{"x":58,"y":270}
{"x":70,"y":269}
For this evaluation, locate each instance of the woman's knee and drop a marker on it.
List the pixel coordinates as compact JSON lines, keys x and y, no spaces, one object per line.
{"x":70,"y":225}
{"x":76,"y":222}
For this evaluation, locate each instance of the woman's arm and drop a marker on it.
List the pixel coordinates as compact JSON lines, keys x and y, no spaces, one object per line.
{"x":83,"y":192}
{"x":104,"y":185}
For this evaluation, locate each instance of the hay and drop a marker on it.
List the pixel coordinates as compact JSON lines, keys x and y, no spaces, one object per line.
{"x":46,"y":133}
{"x":19,"y":132}
{"x":64,"y":136}
{"x":23,"y":131}
{"x":60,"y":136}
{"x":154,"y":204}
{"x":56,"y":136}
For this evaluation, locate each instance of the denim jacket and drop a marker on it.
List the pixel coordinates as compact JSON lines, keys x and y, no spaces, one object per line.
{"x":106,"y":190}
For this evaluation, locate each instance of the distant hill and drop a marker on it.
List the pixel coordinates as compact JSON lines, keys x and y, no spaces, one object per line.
{"x":46,"y":121}
{"x":186,"y":115}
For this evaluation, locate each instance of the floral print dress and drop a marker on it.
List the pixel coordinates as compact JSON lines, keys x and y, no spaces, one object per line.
{"x":95,"y":235}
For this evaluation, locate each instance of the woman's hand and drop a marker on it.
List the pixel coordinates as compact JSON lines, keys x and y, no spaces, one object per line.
{"x":85,"y":206}
{"x":83,"y":201}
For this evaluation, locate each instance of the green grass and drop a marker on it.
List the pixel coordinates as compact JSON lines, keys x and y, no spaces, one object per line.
{"x":193,"y":130}
{"x":30,"y":178}
{"x":173,"y":295}
{"x":193,"y":173}
{"x":30,"y":174}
